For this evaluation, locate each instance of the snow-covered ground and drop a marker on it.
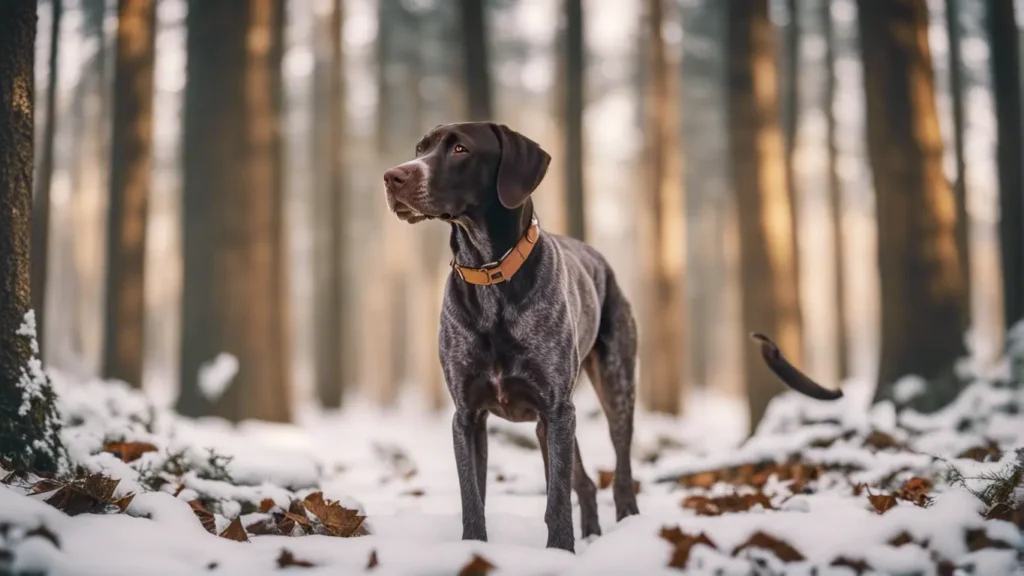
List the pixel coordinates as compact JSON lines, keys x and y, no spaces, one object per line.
{"x":822,"y":469}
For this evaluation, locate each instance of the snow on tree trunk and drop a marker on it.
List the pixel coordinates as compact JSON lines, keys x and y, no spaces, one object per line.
{"x":29,"y":424}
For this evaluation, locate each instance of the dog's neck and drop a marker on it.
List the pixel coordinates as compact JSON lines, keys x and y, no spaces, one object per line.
{"x":483,"y":239}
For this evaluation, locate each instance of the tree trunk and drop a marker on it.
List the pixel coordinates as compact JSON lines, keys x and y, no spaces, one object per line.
{"x":334,"y":355}
{"x":770,"y":300}
{"x":41,"y":197}
{"x":29,"y":422}
{"x":835,"y":199}
{"x":791,"y":116}
{"x":233,"y":297}
{"x":1006,"y":89}
{"x":664,"y":326}
{"x":575,"y":63}
{"x":921,"y":276}
{"x":475,"y":60}
{"x":131,"y":160}
{"x":956,"y":89}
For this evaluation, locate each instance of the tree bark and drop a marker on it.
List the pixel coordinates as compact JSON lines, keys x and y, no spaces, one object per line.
{"x":921,"y":275}
{"x":575,"y":65}
{"x":1006,"y":89}
{"x":956,"y":89}
{"x":770,"y":300}
{"x":29,"y":422}
{"x":663,"y":343}
{"x":835,"y":199}
{"x":233,"y":298}
{"x":475,"y":60}
{"x":791,"y":116}
{"x":130,"y":172}
{"x":41,"y":197}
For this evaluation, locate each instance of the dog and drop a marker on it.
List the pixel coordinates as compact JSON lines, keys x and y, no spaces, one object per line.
{"x":524,"y":312}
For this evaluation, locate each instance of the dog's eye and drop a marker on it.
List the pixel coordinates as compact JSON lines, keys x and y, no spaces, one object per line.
{"x":419,"y":149}
{"x":459,"y":149}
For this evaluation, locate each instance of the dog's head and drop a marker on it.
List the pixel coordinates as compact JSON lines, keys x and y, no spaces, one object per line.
{"x":465,"y":169}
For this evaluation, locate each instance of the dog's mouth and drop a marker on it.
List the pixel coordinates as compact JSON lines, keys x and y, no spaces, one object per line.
{"x":407,"y":213}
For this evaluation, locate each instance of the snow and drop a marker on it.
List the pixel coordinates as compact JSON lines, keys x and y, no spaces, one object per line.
{"x":33,"y":378}
{"x":215,"y":376}
{"x":396,"y":466}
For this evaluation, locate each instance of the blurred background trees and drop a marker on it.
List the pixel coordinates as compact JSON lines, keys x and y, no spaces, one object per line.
{"x":842,"y":175}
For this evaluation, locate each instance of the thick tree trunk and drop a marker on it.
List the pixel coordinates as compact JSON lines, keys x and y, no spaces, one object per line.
{"x":233,"y":297}
{"x":44,"y":175}
{"x":956,"y":89}
{"x":131,"y":161}
{"x":835,"y":199}
{"x":664,"y":327}
{"x":475,"y":60}
{"x":790,"y":111}
{"x":29,"y":422}
{"x":921,"y":275}
{"x":1009,"y":151}
{"x":575,"y":63}
{"x":770,"y":300}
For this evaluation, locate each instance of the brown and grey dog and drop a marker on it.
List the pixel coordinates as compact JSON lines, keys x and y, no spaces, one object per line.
{"x":524,"y":311}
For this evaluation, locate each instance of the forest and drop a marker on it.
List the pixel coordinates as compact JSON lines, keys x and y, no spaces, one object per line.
{"x":212,"y":328}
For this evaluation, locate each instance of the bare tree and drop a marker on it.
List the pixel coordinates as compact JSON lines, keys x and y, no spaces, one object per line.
{"x":664,"y":327}
{"x":334,"y":354}
{"x":1005,"y":54}
{"x":956,"y":88}
{"x":233,"y":297}
{"x":575,"y":65}
{"x":921,"y":273}
{"x":41,"y":197}
{"x":475,"y":59}
{"x":835,"y":197}
{"x":770,"y":300}
{"x":29,"y":423}
{"x":131,"y":161}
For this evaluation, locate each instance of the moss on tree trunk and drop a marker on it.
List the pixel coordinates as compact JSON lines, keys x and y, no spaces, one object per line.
{"x":29,"y":426}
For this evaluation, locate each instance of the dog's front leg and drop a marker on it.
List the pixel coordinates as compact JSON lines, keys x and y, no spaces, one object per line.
{"x":561,"y":439}
{"x":469,"y":436}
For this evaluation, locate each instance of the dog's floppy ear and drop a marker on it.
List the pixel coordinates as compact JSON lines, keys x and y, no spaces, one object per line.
{"x":521,"y":168}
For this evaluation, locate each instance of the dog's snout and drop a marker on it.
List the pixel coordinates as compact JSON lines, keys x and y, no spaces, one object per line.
{"x":395,"y":177}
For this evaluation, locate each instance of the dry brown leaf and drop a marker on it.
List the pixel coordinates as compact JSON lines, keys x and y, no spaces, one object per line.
{"x":415,"y":492}
{"x":45,"y":485}
{"x":89,"y":495}
{"x":287,"y":559}
{"x":477,"y":566}
{"x":263,"y":527}
{"x":704,"y":480}
{"x":44,"y":532}
{"x":915,"y":490}
{"x":901,"y":539}
{"x":682,"y":544}
{"x":982,"y":453}
{"x":977,"y":539}
{"x":881,"y":441}
{"x":882,"y":503}
{"x":300,"y":519}
{"x":205,"y":516}
{"x":235,"y":531}
{"x":373,"y":562}
{"x":266,"y":505}
{"x":605,"y":479}
{"x":705,"y":506}
{"x":129,"y":451}
{"x":859,"y":488}
{"x":1003,"y":511}
{"x":286,"y":523}
{"x":337,"y":520}
{"x":784,"y":551}
{"x":858,"y":566}
{"x":123,"y":503}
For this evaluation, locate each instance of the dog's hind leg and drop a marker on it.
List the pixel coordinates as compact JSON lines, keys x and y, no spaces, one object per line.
{"x":586,"y":493}
{"x":611,"y":367}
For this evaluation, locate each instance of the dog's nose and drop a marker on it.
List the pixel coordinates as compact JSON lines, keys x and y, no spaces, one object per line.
{"x":395,"y":177}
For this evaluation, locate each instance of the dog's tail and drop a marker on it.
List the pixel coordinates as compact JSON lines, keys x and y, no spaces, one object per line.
{"x":789,"y":374}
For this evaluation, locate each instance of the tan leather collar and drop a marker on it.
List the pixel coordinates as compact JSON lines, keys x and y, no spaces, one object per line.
{"x":504,"y":269}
